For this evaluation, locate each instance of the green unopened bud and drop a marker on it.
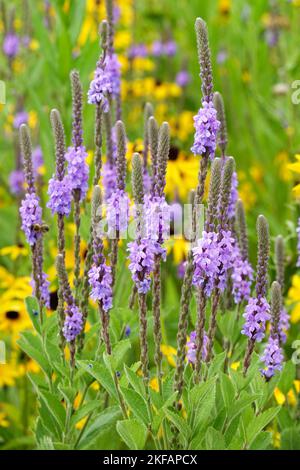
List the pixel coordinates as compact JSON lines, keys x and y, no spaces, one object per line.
{"x":137,"y":179}
{"x":214,"y":192}
{"x":242,"y":231}
{"x":204,"y":58}
{"x":162,"y":157}
{"x":26,"y":149}
{"x":96,"y":206}
{"x":222,"y":134}
{"x":59,"y":137}
{"x":276,"y":305}
{"x":153,"y":143}
{"x":121,"y":154}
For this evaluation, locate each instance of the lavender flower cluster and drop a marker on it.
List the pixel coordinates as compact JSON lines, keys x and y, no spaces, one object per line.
{"x":60,"y":195}
{"x":141,"y":256}
{"x":31,"y":214}
{"x":78,"y":170}
{"x":257,"y":313}
{"x":106,"y":82}
{"x":206,"y":126}
{"x":100,"y":280}
{"x":192,"y":347}
{"x":272,"y":357}
{"x":73,"y":322}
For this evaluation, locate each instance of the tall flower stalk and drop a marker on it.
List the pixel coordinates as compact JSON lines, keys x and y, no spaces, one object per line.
{"x":158,"y":207}
{"x":206,"y":126}
{"x":60,"y":195}
{"x":78,"y":170}
{"x":73,"y":317}
{"x":32,"y":225}
{"x":141,"y":256}
{"x":225,"y":243}
{"x":118,"y":203}
{"x":258,"y":310}
{"x":206,"y":251}
{"x":100,"y":277}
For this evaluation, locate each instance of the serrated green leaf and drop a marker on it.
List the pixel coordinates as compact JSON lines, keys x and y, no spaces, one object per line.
{"x":133,"y":432}
{"x":227,"y":389}
{"x":214,"y":440}
{"x":136,"y":403}
{"x":259,"y":423}
{"x":32,"y":307}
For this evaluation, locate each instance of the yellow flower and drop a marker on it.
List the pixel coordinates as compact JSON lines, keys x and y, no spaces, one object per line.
{"x":14,"y":251}
{"x":291,"y":397}
{"x":246,"y":76}
{"x":34,"y":45}
{"x":32,"y":119}
{"x":246,"y":192}
{"x":224,"y":7}
{"x":3,"y":421}
{"x":279,"y":396}
{"x":79,"y":425}
{"x":170,"y":353}
{"x":282,"y":161}
{"x":122,"y":39}
{"x":182,"y":126}
{"x":276,"y":439}
{"x":296,"y":3}
{"x":256,"y":172}
{"x":182,"y":174}
{"x":294,"y":298}
{"x":179,"y":247}
{"x":8,"y":375}
{"x":154,"y":384}
{"x":18,"y":66}
{"x":142,"y":64}
{"x":235,"y":365}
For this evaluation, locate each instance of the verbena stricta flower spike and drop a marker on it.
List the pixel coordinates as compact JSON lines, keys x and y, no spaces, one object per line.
{"x":32,"y":225}
{"x":272,"y":356}
{"x":153,"y":145}
{"x":258,"y":310}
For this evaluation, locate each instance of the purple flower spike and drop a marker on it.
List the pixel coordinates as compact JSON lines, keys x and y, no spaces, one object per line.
{"x":78,"y":170}
{"x":100,"y":280}
{"x":256,"y":314}
{"x":206,"y":261}
{"x":16,"y":182}
{"x":11,"y":45}
{"x":242,"y":276}
{"x":31,"y":214}
{"x":183,"y":78}
{"x":206,"y":126}
{"x":233,"y":196}
{"x":284,"y":324}
{"x":272,"y":357}
{"x":141,"y":255}
{"x":118,"y":212}
{"x":73,"y":323}
{"x":20,"y":118}
{"x":45,"y":294}
{"x":109,"y":179}
{"x":192,"y":346}
{"x":60,"y":193}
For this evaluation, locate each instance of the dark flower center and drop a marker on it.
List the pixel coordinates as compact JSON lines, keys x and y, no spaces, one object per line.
{"x":53,"y":300}
{"x":12,"y":315}
{"x":173,"y":154}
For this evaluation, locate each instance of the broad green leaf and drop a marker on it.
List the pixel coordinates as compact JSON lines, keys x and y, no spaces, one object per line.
{"x":32,"y":307}
{"x":290,"y":439}
{"x":133,"y":433}
{"x":55,"y":407}
{"x":119,"y":352}
{"x":32,"y":345}
{"x":105,"y":419}
{"x":136,"y":403}
{"x":180,"y":423}
{"x":84,"y":410}
{"x":287,"y":377}
{"x":227,"y":389}
{"x":101,"y":374}
{"x":262,"y":441}
{"x":259,"y":423}
{"x":214,"y":440}
{"x":135,"y":381}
